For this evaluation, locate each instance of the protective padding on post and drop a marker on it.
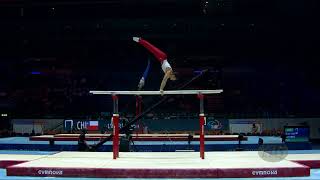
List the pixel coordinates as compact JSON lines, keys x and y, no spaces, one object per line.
{"x":115,"y":119}
{"x":201,"y":122}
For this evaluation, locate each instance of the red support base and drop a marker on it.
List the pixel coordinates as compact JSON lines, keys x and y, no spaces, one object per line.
{"x":202,"y":122}
{"x":115,"y":119}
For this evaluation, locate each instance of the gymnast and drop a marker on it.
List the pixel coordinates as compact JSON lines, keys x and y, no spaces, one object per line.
{"x":162,"y":58}
{"x":144,"y":77}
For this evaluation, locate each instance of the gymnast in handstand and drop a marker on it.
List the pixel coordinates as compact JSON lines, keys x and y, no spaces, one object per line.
{"x":162,"y":58}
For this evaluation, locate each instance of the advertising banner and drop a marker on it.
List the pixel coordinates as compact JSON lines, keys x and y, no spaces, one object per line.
{"x":168,"y":124}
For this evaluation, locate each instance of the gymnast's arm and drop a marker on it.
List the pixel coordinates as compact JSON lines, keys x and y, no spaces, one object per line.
{"x":165,"y":79}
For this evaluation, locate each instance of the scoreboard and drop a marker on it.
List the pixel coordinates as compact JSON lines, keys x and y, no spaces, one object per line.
{"x":297,"y":133}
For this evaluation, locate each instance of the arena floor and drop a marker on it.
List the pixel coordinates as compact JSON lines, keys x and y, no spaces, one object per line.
{"x":225,"y":164}
{"x":314,"y":175}
{"x":77,"y":159}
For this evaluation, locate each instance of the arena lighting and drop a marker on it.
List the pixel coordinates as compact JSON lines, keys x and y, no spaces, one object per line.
{"x":4,"y":115}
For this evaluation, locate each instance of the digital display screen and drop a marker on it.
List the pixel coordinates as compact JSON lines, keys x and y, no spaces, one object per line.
{"x":297,"y":133}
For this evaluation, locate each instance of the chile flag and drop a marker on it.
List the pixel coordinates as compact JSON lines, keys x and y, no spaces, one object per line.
{"x":92,"y":125}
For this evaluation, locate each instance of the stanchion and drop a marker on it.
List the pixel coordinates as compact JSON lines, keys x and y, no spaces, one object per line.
{"x":202,"y":123}
{"x":115,"y":119}
{"x":138,"y":112}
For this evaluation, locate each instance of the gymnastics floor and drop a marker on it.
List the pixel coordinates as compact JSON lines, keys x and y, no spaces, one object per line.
{"x":157,"y":165}
{"x":225,"y":162}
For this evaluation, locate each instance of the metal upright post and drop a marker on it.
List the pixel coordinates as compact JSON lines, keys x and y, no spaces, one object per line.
{"x":138,"y":112}
{"x":115,"y":119}
{"x":202,"y":123}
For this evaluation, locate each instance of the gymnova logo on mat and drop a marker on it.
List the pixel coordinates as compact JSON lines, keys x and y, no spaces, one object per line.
{"x":50,"y":172}
{"x":261,"y":173}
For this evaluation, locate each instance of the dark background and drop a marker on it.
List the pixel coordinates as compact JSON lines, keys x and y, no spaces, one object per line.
{"x":263,"y":53}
